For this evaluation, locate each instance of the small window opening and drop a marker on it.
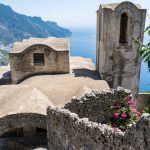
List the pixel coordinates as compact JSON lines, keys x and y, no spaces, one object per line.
{"x":38,"y":59}
{"x":123,"y":28}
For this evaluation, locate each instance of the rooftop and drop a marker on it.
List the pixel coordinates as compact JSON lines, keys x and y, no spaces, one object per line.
{"x":16,"y":99}
{"x":58,"y":44}
{"x":34,"y":94}
{"x":113,"y":6}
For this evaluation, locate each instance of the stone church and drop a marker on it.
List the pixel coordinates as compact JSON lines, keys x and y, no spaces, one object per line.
{"x":119,"y":26}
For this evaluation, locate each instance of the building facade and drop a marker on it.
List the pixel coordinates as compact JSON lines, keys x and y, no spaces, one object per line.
{"x":119,"y":26}
{"x":39,"y":56}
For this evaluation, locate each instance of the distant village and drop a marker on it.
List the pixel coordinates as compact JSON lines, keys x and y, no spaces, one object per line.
{"x":6,"y":47}
{"x":4,"y":52}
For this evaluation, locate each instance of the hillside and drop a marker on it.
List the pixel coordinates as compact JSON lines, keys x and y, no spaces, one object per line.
{"x":15,"y":27}
{"x":4,"y":57}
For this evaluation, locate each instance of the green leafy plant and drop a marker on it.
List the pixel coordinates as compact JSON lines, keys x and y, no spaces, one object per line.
{"x":145,"y":50}
{"x":124,"y":112}
{"x":147,"y":108}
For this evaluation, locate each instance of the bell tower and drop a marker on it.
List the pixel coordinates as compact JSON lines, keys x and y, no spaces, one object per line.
{"x":117,"y":59}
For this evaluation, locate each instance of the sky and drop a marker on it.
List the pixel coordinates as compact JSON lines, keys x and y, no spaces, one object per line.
{"x":67,"y":13}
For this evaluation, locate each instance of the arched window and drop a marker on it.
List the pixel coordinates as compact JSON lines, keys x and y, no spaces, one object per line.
{"x":100,"y":27}
{"x":123,"y":28}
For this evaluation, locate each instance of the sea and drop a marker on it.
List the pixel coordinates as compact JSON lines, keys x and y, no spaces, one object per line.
{"x":83,"y":43}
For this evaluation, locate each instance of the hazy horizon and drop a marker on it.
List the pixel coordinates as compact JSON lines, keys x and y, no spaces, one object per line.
{"x":67,"y":13}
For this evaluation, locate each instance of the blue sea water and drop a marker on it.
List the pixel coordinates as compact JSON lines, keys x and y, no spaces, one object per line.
{"x":83,"y":43}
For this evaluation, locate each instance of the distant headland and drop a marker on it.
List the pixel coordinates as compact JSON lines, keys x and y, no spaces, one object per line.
{"x":16,"y":27}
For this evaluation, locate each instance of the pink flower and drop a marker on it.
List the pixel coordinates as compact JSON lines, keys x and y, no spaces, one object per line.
{"x":116,"y":115}
{"x":131,"y":103}
{"x":118,"y":106}
{"x":135,"y":111}
{"x":123,"y":115}
{"x":115,"y":126}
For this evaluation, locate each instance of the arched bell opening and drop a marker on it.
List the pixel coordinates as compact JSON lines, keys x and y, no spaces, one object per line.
{"x":123,"y":28}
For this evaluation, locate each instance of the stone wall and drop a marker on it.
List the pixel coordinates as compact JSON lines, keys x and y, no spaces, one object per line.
{"x":143,"y":100}
{"x":97,"y":105}
{"x":66,"y":131}
{"x":22,"y":120}
{"x":14,"y":146}
{"x":137,"y":137}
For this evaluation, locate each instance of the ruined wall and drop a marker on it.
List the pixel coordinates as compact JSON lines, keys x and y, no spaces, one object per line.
{"x":119,"y":63}
{"x":22,"y":64}
{"x":22,"y":120}
{"x":143,"y":100}
{"x":137,"y":137}
{"x":66,"y":131}
{"x":97,"y":105}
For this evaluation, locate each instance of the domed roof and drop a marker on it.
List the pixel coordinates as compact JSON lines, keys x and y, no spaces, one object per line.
{"x":57,"y":44}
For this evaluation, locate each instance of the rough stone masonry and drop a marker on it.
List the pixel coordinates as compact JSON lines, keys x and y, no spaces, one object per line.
{"x":81,"y":128}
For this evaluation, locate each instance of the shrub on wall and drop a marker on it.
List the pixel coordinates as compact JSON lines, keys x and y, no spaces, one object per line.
{"x":124,"y":113}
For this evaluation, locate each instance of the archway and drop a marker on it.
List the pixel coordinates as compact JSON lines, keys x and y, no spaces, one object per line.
{"x":23,"y":130}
